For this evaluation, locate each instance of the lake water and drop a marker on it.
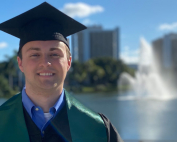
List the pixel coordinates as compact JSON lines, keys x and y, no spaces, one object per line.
{"x":136,"y":119}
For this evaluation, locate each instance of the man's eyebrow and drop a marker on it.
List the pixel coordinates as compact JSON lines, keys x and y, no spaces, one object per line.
{"x":54,"y":48}
{"x":34,"y":48}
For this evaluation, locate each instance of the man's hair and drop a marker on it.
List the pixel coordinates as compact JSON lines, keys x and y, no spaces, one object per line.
{"x":68,"y":53}
{"x":20,"y":54}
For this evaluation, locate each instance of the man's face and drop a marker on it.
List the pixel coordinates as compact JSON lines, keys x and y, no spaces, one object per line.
{"x":44,"y":64}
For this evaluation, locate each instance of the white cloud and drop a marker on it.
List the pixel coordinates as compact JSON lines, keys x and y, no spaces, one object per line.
{"x":3,"y":45}
{"x":81,"y":9}
{"x":130,"y":56}
{"x":166,"y":26}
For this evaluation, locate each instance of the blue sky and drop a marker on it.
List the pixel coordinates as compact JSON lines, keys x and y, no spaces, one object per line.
{"x":150,"y":19}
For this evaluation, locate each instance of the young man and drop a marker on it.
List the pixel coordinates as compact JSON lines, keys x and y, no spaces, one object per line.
{"x":44,"y":111}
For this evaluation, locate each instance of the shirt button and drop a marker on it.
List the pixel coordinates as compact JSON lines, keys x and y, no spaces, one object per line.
{"x":43,"y":132}
{"x":36,"y":109}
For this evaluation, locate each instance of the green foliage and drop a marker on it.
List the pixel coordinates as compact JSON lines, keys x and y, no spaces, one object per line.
{"x":8,"y":75}
{"x":5,"y":89}
{"x":97,"y":73}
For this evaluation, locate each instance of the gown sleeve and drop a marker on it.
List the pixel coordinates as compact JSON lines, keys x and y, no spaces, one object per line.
{"x":113,"y":135}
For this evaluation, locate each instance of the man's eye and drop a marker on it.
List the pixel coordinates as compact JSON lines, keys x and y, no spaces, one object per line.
{"x":34,"y":55}
{"x":54,"y":55}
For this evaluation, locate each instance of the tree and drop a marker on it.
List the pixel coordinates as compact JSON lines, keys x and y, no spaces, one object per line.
{"x":97,"y":71}
{"x":5,"y":89}
{"x":9,"y":76}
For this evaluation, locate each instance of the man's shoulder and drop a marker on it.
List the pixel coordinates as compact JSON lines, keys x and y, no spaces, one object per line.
{"x":13,"y":100}
{"x":97,"y":122}
{"x":77,"y":106}
{"x":112,"y":133}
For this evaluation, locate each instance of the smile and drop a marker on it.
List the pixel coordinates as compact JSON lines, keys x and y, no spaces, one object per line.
{"x":46,"y":74}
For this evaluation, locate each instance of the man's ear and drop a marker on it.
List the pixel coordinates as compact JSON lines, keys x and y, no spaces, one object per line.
{"x":19,"y":60}
{"x":69,"y":63}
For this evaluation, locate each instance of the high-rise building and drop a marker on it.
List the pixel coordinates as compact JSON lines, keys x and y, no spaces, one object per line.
{"x":95,"y":42}
{"x":165,"y":51}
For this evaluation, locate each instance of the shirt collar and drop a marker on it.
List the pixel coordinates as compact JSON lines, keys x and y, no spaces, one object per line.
{"x":28,"y":104}
{"x":59,"y":101}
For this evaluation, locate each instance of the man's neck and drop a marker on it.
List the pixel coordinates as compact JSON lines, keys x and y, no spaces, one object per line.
{"x":44,"y":98}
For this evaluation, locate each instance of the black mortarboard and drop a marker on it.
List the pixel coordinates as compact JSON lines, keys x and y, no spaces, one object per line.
{"x":43,"y":22}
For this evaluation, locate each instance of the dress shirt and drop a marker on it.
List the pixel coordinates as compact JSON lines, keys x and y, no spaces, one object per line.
{"x":36,"y":113}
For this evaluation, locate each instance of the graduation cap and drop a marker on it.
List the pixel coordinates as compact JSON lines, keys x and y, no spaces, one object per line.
{"x":43,"y":22}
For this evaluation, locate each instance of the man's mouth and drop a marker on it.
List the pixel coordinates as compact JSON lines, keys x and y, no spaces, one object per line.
{"x":45,"y":74}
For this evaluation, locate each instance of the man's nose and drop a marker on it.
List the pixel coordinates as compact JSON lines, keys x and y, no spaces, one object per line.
{"x":45,"y":61}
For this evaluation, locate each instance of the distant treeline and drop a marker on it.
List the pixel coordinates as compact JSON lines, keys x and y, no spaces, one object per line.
{"x":11,"y":79}
{"x":99,"y":74}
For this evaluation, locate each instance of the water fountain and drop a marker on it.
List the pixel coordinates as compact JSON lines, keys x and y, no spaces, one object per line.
{"x":147,"y":83}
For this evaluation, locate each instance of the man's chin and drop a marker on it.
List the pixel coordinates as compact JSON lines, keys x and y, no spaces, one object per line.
{"x":52,"y":86}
